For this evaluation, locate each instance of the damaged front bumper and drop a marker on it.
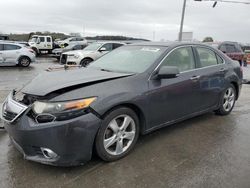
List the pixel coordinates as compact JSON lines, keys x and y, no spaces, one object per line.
{"x":60,"y":143}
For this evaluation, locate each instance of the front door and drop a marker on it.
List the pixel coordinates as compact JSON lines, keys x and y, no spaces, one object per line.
{"x":175,"y":98}
{"x":42,"y":45}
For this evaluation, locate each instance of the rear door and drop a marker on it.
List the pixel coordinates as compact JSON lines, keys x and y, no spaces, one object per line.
{"x":49,"y":43}
{"x":212,"y":70}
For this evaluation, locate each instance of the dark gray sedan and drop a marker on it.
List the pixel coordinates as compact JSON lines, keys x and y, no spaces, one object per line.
{"x":61,"y":116}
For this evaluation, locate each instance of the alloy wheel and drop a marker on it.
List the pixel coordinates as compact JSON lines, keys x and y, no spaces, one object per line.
{"x":229,"y":99}
{"x":25,"y":62}
{"x":119,"y":134}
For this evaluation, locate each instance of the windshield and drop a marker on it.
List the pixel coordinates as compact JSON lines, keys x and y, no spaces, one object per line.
{"x":93,"y":47}
{"x":69,"y":46}
{"x":33,"y":39}
{"x":133,"y":59}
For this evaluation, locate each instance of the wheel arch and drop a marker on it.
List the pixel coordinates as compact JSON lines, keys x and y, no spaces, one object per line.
{"x":35,"y":49}
{"x":139,"y":112}
{"x":87,"y":58}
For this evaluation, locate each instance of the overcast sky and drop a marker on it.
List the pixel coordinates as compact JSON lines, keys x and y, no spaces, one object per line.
{"x":135,"y":18}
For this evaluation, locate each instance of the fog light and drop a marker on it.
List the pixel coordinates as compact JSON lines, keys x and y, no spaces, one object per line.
{"x":48,"y":153}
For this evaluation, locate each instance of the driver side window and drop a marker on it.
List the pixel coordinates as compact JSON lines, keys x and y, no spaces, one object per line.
{"x":108,"y":46}
{"x":182,"y":58}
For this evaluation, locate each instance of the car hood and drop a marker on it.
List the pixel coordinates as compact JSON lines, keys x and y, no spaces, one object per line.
{"x":49,"y":82}
{"x":57,"y":50}
{"x":79,"y":52}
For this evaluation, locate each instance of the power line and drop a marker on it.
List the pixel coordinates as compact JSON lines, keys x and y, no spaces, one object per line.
{"x":228,"y":1}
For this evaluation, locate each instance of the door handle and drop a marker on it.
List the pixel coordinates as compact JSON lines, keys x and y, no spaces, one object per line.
{"x":222,"y":70}
{"x":195,"y":78}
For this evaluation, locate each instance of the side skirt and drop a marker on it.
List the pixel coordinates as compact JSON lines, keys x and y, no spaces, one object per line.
{"x":180,"y":119}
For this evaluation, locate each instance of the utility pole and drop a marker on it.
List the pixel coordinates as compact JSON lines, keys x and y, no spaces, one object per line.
{"x":182,"y":20}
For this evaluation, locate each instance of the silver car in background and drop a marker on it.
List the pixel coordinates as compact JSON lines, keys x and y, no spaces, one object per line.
{"x":12,"y":53}
{"x":91,"y":53}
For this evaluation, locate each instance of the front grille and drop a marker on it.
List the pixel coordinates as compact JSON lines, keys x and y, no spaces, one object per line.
{"x":63,"y":59}
{"x":37,"y":150}
{"x":9,"y":115}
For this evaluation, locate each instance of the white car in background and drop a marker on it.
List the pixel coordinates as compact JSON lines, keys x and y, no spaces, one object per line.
{"x":88,"y":54}
{"x":12,"y":53}
{"x":72,"y":41}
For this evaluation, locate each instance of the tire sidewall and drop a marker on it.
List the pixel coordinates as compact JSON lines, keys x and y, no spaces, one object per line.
{"x":85,"y":62}
{"x":100,"y":135}
{"x":222,"y":110}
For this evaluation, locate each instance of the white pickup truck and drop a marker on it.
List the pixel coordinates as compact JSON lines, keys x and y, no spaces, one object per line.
{"x":41,"y":43}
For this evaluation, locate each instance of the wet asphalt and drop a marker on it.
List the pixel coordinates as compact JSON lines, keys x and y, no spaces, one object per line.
{"x":206,"y":151}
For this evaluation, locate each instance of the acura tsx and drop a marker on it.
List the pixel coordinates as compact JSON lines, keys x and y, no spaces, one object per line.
{"x":60,"y":117}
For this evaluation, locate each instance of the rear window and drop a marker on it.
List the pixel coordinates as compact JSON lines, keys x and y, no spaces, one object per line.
{"x":1,"y":47}
{"x":207,"y":57}
{"x":219,"y":59}
{"x":48,"y":39}
{"x":117,"y":45}
{"x":230,"y":48}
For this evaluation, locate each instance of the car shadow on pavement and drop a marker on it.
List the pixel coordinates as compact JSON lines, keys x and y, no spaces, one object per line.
{"x":14,"y":68}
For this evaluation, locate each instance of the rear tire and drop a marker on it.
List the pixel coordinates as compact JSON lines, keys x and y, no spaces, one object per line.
{"x":118,"y":134}
{"x":227,"y":101}
{"x":24,"y":61}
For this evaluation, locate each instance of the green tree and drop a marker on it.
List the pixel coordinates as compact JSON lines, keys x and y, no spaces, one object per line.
{"x":208,"y":39}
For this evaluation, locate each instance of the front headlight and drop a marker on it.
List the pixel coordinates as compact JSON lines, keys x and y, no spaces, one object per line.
{"x":76,"y":56}
{"x":50,"y":111}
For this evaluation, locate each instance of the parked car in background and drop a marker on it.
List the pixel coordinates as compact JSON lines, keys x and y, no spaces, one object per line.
{"x":56,"y":44}
{"x":246,"y":50}
{"x":233,"y":50}
{"x":72,"y":40}
{"x":56,"y":53}
{"x":60,"y":117}
{"x":4,"y":37}
{"x":88,"y":54}
{"x":12,"y":53}
{"x":40,"y":43}
{"x":213,"y":44}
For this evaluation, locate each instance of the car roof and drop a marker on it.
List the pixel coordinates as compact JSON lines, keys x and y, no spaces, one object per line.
{"x":104,"y":42}
{"x":10,"y":42}
{"x":168,"y":44}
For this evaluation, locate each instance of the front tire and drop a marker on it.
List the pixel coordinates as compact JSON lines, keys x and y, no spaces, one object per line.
{"x":24,"y":61}
{"x":118,"y":134}
{"x":85,"y":62}
{"x":227,"y":102}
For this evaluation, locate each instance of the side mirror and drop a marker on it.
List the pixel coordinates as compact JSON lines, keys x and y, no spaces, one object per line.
{"x":168,"y":72}
{"x":38,"y":41}
{"x":103,"y":49}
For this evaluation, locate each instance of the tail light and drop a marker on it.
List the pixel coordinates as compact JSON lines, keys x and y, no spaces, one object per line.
{"x":32,"y":51}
